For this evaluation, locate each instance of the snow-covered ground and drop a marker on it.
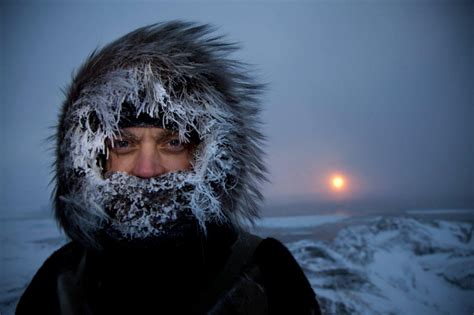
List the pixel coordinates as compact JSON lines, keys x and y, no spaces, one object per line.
{"x":374,"y":265}
{"x":393,"y":265}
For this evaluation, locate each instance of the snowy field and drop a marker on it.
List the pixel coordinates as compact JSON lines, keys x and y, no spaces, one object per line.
{"x":418,"y":262}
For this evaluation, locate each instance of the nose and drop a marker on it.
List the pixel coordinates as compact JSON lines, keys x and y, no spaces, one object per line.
{"x":147,"y":163}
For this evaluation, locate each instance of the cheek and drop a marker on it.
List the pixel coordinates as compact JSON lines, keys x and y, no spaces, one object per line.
{"x":177,"y":162}
{"x":117,"y":163}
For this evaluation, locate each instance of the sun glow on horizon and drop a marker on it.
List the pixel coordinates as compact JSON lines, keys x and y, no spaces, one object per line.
{"x":338,"y":182}
{"x":335,"y":184}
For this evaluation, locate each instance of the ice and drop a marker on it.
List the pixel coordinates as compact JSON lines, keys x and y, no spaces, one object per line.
{"x":293,"y":222}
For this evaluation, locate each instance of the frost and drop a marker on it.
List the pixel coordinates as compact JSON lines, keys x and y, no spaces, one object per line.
{"x":143,"y":208}
{"x":134,"y":207}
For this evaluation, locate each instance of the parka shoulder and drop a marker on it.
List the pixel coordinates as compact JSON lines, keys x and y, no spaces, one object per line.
{"x":40,"y":297}
{"x":287,"y":288}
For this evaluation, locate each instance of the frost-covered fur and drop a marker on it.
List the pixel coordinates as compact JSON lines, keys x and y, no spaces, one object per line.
{"x":181,"y":74}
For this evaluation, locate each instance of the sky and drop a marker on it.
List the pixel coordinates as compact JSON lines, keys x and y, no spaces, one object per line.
{"x":380,"y":92}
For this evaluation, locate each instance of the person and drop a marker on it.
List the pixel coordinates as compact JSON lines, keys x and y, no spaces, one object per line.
{"x":158,"y":167}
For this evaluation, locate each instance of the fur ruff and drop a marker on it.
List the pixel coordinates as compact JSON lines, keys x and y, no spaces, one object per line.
{"x":182,"y":74}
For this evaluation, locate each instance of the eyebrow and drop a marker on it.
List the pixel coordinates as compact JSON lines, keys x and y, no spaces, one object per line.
{"x":127,"y":135}
{"x":163,"y":136}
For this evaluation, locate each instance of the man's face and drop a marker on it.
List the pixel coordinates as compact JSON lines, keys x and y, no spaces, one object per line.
{"x":148,"y":152}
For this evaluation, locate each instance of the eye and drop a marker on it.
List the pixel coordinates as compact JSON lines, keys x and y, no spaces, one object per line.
{"x":175,"y":142}
{"x":175,"y":145}
{"x":120,"y":145}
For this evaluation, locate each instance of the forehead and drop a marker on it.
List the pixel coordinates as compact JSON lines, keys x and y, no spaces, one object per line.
{"x":145,"y":132}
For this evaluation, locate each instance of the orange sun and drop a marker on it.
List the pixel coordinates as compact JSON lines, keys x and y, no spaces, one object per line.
{"x":338,"y":182}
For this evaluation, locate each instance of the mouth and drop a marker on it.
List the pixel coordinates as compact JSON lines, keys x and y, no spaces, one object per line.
{"x":143,"y":208}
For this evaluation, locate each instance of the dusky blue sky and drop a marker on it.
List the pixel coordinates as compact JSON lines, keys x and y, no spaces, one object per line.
{"x":380,"y":91}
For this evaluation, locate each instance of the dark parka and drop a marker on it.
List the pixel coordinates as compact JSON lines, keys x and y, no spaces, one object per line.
{"x":199,"y":259}
{"x":76,"y":281}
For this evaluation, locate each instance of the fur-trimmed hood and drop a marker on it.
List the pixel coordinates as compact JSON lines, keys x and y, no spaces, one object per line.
{"x":181,"y":74}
